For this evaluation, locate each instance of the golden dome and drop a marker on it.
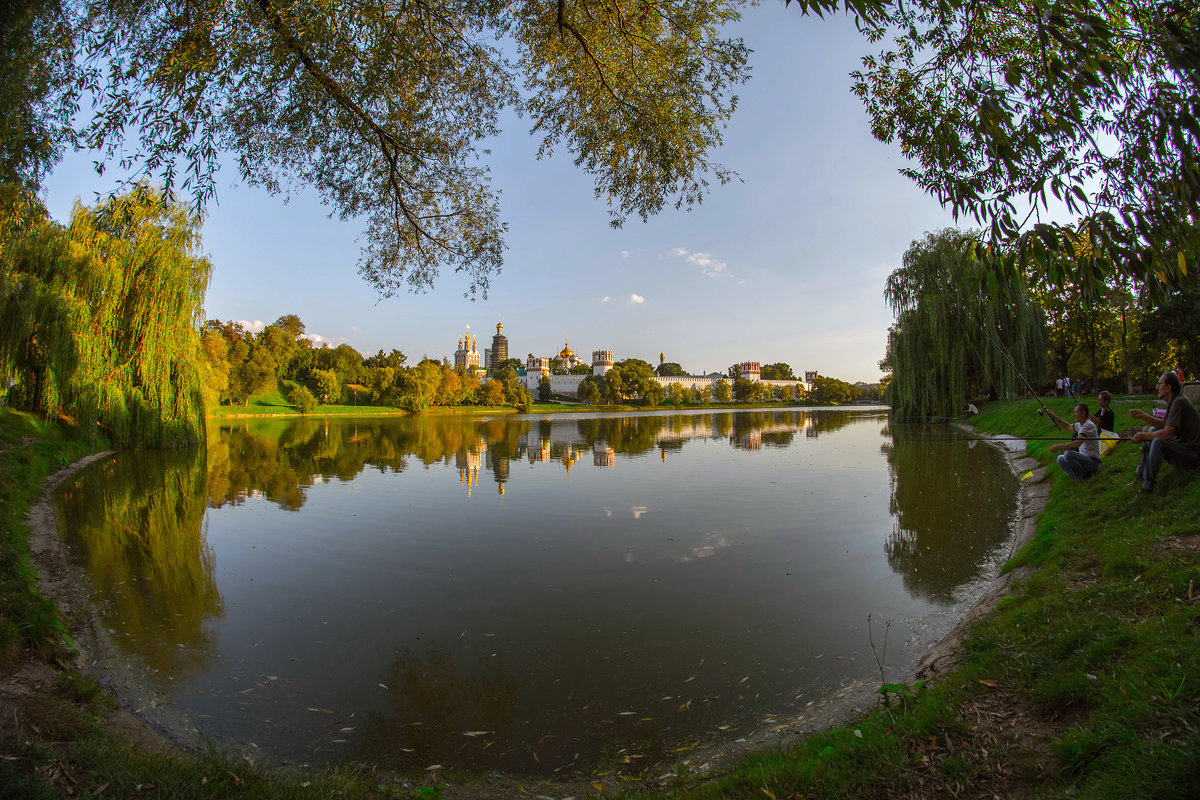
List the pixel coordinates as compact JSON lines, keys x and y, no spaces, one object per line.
{"x":566,"y":351}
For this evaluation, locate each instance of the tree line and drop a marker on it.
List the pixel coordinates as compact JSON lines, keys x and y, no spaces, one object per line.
{"x":238,"y":364}
{"x":961,"y":334}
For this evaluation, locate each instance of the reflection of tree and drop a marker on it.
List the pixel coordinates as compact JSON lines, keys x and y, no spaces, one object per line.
{"x":830,"y":421}
{"x":951,"y":504}
{"x":434,"y":704}
{"x":279,"y":459}
{"x":136,"y":524}
{"x":625,"y":434}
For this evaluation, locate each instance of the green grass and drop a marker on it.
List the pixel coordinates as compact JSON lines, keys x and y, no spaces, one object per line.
{"x":1096,"y":655}
{"x":32,"y":449}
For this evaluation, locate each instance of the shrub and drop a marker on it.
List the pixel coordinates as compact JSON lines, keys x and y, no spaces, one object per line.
{"x":302,"y":399}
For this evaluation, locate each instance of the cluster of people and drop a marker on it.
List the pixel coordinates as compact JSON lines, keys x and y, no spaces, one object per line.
{"x":1065,"y":387}
{"x":1174,"y":438}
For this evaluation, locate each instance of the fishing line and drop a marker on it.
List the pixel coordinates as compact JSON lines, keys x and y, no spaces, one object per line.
{"x":1020,"y":374}
{"x":1008,"y":437}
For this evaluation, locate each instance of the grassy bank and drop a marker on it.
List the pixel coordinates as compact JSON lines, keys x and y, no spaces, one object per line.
{"x":1084,"y":683}
{"x":272,"y":404}
{"x":30,"y":449}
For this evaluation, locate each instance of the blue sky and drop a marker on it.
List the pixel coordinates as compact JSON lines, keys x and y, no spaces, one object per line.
{"x":786,"y":265}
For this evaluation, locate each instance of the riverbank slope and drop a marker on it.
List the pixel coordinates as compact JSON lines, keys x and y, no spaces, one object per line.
{"x":1083,"y":682}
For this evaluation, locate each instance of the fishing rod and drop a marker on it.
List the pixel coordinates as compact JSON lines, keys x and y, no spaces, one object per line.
{"x":1020,"y":374}
{"x":1011,"y":437}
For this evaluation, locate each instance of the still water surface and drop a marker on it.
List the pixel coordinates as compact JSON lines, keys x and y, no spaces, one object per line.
{"x":530,"y":593}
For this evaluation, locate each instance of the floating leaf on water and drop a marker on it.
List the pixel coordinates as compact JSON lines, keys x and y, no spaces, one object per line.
{"x":475,"y":733}
{"x":432,"y":767}
{"x":346,"y":730}
{"x":625,"y":713}
{"x":743,"y":680}
{"x":320,"y":710}
{"x":689,"y":680}
{"x":646,"y":719}
{"x":382,"y":686}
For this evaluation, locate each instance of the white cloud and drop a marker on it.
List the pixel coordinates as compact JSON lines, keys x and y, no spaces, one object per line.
{"x":605,"y":299}
{"x":624,"y":254}
{"x":254,"y":327}
{"x":708,"y":265}
{"x":320,"y":341}
{"x":636,"y":299}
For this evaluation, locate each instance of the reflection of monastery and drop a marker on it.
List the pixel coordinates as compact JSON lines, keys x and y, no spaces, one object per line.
{"x":467,"y":357}
{"x":568,"y":442}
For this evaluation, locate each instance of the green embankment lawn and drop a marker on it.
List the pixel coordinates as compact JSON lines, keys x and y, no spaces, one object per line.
{"x":1085,"y":683}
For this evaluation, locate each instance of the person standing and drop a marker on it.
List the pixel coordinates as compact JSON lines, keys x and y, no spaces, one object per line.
{"x":1176,"y":439}
{"x":1058,"y":387}
{"x":1081,"y":456}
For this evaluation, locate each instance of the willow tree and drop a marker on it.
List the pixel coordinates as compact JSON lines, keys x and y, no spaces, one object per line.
{"x":958,"y":330}
{"x":99,"y":320}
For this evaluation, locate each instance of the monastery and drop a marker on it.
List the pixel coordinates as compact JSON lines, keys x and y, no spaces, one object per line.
{"x":467,"y":357}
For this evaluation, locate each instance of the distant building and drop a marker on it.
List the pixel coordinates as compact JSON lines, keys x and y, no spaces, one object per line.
{"x":567,"y":358}
{"x":602,"y":361}
{"x":499,"y":351}
{"x":466,"y":357}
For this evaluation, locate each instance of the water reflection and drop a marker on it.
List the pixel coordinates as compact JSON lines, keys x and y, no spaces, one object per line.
{"x":942,"y":489}
{"x":438,"y":708}
{"x":649,"y":581}
{"x":282,"y":459}
{"x":137,"y":526}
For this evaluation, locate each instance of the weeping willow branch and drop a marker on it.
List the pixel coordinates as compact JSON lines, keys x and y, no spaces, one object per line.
{"x":99,"y":321}
{"x":958,"y":332}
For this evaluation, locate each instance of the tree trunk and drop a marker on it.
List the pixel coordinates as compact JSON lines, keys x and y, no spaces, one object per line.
{"x":1125,"y":352}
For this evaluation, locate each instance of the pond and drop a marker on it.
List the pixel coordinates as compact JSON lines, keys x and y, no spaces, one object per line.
{"x":531,"y":593}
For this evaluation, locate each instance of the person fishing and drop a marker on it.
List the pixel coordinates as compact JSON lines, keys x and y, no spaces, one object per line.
{"x":1174,"y":439}
{"x":1080,"y":457}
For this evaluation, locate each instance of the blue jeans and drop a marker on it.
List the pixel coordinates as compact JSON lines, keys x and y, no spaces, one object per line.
{"x":1156,"y":451}
{"x":1077,"y":465}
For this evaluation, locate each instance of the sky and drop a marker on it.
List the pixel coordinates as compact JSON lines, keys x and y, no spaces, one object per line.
{"x":787,"y":263}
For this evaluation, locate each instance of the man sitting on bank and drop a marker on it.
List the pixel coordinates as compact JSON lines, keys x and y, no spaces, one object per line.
{"x":1081,"y":456}
{"x":1175,"y":438}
